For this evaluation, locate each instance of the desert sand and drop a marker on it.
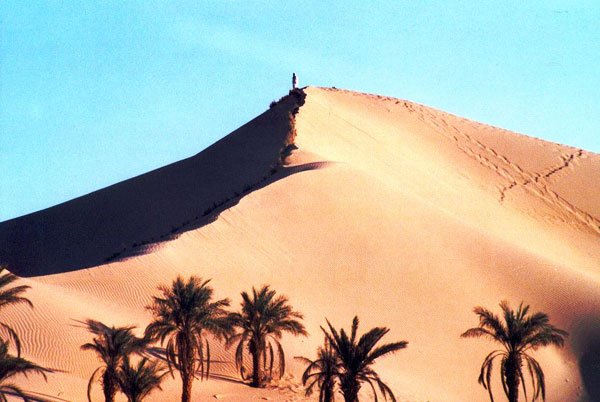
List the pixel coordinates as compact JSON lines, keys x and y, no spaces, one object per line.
{"x":401,"y":214}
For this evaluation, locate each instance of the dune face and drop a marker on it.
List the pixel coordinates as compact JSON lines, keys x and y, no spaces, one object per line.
{"x":130,"y":216}
{"x":401,"y":214}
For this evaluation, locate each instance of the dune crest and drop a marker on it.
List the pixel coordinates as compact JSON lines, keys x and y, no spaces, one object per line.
{"x":350,"y":204}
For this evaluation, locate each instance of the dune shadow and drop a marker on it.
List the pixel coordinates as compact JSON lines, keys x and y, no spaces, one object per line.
{"x":35,"y":397}
{"x":586,"y":340}
{"x":226,"y":378}
{"x":589,"y":365}
{"x":211,"y":214}
{"x":136,"y":216}
{"x":160,"y":354}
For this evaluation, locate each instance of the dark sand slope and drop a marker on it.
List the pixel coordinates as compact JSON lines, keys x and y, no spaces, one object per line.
{"x":127,"y":218}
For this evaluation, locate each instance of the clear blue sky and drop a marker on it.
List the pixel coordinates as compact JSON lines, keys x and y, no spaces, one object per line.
{"x":95,"y":92}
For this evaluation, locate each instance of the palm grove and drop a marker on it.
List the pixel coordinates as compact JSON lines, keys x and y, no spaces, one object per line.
{"x":186,"y":315}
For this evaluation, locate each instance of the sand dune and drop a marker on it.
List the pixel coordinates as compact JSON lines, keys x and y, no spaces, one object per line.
{"x":404,"y":215}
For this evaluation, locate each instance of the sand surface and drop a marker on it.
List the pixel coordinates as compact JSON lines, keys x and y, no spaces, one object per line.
{"x":401,"y":214}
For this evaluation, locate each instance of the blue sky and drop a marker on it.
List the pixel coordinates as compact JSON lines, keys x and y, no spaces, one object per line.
{"x":92,"y":93}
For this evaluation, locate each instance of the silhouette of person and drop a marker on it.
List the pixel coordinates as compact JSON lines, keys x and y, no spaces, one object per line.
{"x":294,"y":81}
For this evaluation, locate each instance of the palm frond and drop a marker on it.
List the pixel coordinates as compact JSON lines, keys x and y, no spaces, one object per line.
{"x":207,"y":360}
{"x":386,"y":349}
{"x":112,"y":346}
{"x":351,"y":360}
{"x":503,"y":372}
{"x":239,"y":353}
{"x":91,"y":382}
{"x":182,"y":316}
{"x":11,"y":295}
{"x":367,"y":380}
{"x":281,"y":358}
{"x":368,"y":340}
{"x":10,"y":390}
{"x":264,"y":318}
{"x":479,"y":332}
{"x":522,"y":379}
{"x":12,"y":335}
{"x":518,"y":331}
{"x":138,"y":381}
{"x":537,"y":377}
{"x":487,"y":319}
{"x":385,"y":390}
{"x":354,"y":329}
{"x":308,"y":388}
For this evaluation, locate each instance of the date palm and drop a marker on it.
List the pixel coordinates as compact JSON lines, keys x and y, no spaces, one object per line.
{"x":11,"y":366}
{"x":10,"y":296}
{"x":183,"y":317}
{"x":518,"y":333}
{"x":138,"y":381}
{"x":259,"y":325}
{"x":322,"y":373}
{"x":112,"y":345}
{"x":356,"y":358}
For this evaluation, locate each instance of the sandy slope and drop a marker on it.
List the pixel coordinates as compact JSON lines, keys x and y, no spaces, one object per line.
{"x":402,"y":214}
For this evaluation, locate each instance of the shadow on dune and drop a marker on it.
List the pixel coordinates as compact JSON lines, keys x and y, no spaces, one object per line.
{"x":159,"y":353}
{"x":212,"y":213}
{"x":130,"y":217}
{"x":586,"y":342}
{"x":36,"y":397}
{"x":589,"y":364}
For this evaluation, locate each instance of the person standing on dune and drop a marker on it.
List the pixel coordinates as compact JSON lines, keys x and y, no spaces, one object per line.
{"x":294,"y":80}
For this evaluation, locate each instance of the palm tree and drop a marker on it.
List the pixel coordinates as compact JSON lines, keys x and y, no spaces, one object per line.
{"x":113,"y":345}
{"x":322,"y":373}
{"x":518,"y":333}
{"x":138,"y":381}
{"x":357,"y":357}
{"x":260,"y":325}
{"x":13,"y":365}
{"x":11,"y":296}
{"x":183,"y":316}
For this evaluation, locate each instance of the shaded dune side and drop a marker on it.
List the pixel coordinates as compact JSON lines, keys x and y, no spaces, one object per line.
{"x":126,"y":218}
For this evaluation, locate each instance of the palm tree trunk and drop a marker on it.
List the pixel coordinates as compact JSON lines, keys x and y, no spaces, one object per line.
{"x":351,"y":396}
{"x":186,"y":392}
{"x":513,"y":364}
{"x":109,"y":385}
{"x":328,"y":393}
{"x":186,"y":366}
{"x":350,"y":391}
{"x":257,"y":376}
